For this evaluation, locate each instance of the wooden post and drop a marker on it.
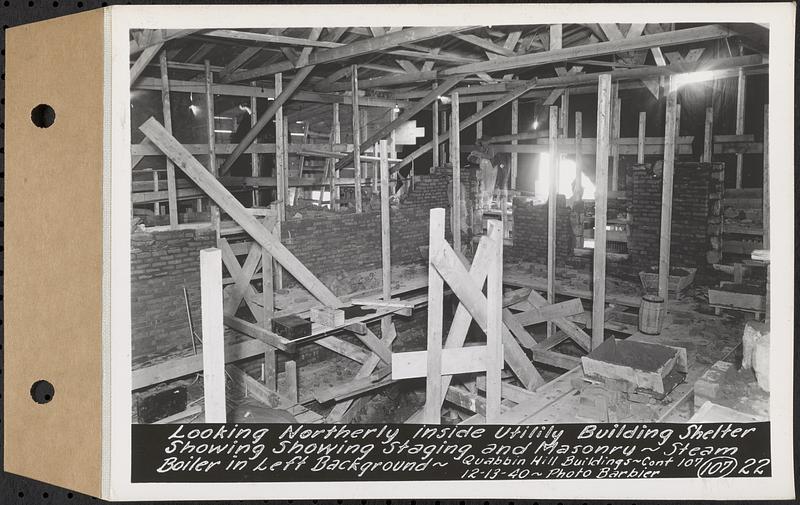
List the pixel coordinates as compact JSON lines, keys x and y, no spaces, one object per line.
{"x":435,"y":128}
{"x":479,"y":124}
{"x":552,"y":197}
{"x":494,"y":323}
{"x":578,"y":155}
{"x":615,"y":140}
{"x":156,"y":205}
{"x":564,"y":118}
{"x":556,"y":36}
{"x":708,"y":135}
{"x":280,"y":152}
{"x":172,"y":191}
{"x":433,"y":382}
{"x":740,"y":97}
{"x":270,"y":368}
{"x":670,"y":132}
{"x":601,"y":209}
{"x":212,"y":142}
{"x":213,"y":335}
{"x":267,"y":292}
{"x":455,"y":159}
{"x":256,"y":171}
{"x":356,"y":138}
{"x":442,"y":146}
{"x":290,"y":371}
{"x":514,"y":156}
{"x":386,"y":244}
{"x":765,"y":193}
{"x":641,"y":137}
{"x":337,"y":139}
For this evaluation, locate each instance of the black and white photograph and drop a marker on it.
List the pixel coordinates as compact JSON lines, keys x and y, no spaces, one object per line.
{"x":552,"y":236}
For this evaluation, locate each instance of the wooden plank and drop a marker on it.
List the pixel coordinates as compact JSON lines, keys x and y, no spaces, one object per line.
{"x":578,"y":154}
{"x":172,"y":148}
{"x":708,"y":135}
{"x":666,"y":191}
{"x":344,"y":348}
{"x":699,"y":34}
{"x":356,"y":138}
{"x":576,"y":334}
{"x":375,"y":345}
{"x":452,"y":270}
{"x":514,"y":131}
{"x":494,"y":337}
{"x":290,"y":375}
{"x":167,"y":112}
{"x":270,"y":368}
{"x":740,"y":104}
{"x":457,"y":360}
{"x":257,"y":332}
{"x":435,"y":127}
{"x":353,"y":49}
{"x":354,"y":387}
{"x":552,"y":197}
{"x":555,"y":359}
{"x":258,"y":391}
{"x":550,"y":312}
{"x":484,"y":44}
{"x":601,"y":209}
{"x":280,"y":152}
{"x":518,"y":330}
{"x":433,"y":381}
{"x":340,"y":410}
{"x":242,"y":280}
{"x":615,"y":122}
{"x":455,"y":161}
{"x":143,"y":60}
{"x":212,"y":139}
{"x":641,"y":137}
{"x":213,"y":335}
{"x":183,"y":366}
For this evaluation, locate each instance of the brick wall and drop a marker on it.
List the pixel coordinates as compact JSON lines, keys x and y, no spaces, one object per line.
{"x":690,"y":211}
{"x":162,"y":263}
{"x":530,"y":231}
{"x":337,"y":245}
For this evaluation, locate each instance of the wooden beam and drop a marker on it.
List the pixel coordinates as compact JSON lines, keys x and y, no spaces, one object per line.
{"x":238,"y":61}
{"x":356,"y":137}
{"x":641,"y":137}
{"x":514,"y":131}
{"x":494,"y":330}
{"x":552,"y":197}
{"x":666,"y":192}
{"x":281,"y":157}
{"x":708,"y":135}
{"x":411,"y":365}
{"x":386,"y":244}
{"x":403,"y":118}
{"x":435,"y":127}
{"x":212,"y":140}
{"x":486,"y":44}
{"x":166,"y":108}
{"x":258,"y":391}
{"x":578,"y":154}
{"x":172,"y":148}
{"x":290,"y":379}
{"x":267,"y":38}
{"x":740,"y":102}
{"x":357,"y":48}
{"x":530,"y":60}
{"x":213,"y":335}
{"x":143,"y":60}
{"x":257,"y":332}
{"x":433,"y":381}
{"x":601,"y":209}
{"x":615,"y":127}
{"x":550,"y":312}
{"x":455,"y":160}
{"x":384,"y":81}
{"x":497,"y":104}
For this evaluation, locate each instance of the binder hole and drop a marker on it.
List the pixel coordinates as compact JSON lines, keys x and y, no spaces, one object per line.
{"x":42,"y":392}
{"x":43,"y":115}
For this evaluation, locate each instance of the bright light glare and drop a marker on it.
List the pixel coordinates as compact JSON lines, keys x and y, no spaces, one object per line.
{"x":535,"y":124}
{"x":223,"y":131}
{"x":691,"y":77}
{"x":566,"y":176}
{"x":195,"y":109}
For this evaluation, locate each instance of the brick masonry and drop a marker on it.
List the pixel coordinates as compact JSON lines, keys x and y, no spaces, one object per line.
{"x":690,"y":215}
{"x":530,"y":231}
{"x":162,"y":263}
